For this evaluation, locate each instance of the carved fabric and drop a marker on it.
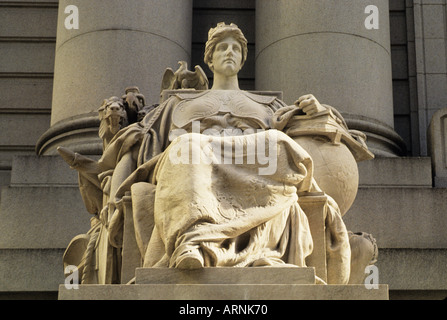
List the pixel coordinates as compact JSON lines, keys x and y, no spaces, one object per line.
{"x":230,"y":213}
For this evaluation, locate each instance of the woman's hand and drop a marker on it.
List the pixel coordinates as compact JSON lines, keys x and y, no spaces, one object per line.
{"x":309,"y":105}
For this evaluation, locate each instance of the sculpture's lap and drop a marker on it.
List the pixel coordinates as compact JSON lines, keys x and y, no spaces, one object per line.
{"x":228,"y":212}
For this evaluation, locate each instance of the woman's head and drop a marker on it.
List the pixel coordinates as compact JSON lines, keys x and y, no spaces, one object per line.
{"x":219,"y":33}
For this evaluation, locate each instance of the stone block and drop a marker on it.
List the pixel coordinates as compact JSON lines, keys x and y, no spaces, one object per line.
{"x":23,"y":129}
{"x":413,"y":269}
{"x":313,"y":206}
{"x":32,"y":94}
{"x":31,"y":270}
{"x":42,"y":171}
{"x":433,"y":20}
{"x":27,"y":57}
{"x":40,"y":22}
{"x":41,"y":217}
{"x":392,"y":172}
{"x":401,"y":217}
{"x":258,"y":275}
{"x":263,"y":283}
{"x":435,"y":62}
{"x":226,"y":292}
{"x":436,"y":93}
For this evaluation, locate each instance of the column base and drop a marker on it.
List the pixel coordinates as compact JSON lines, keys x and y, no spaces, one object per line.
{"x":382,"y":140}
{"x":79,"y":134}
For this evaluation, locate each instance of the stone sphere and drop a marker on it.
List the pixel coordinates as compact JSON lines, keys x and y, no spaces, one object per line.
{"x":335,"y":169}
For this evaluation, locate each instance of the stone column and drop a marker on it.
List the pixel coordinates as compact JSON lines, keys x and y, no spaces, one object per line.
{"x":118,"y":44}
{"x":323,"y":47}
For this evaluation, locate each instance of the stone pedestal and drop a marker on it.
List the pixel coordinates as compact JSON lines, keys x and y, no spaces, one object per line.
{"x":324,"y":48}
{"x":224,"y":284}
{"x":40,"y":212}
{"x":118,"y":44}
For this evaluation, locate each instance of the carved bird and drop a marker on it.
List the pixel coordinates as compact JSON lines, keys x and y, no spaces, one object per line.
{"x":184,"y":78}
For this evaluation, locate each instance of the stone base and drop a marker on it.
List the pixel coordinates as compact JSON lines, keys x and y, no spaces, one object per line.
{"x":255,"y":275}
{"x":224,"y":284}
{"x":223,"y":292}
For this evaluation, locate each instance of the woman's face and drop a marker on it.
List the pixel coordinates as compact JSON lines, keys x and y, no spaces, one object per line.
{"x":227,"y":57}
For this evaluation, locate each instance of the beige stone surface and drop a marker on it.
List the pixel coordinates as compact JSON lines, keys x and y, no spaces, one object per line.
{"x":27,"y":222}
{"x":379,"y":210}
{"x":226,"y":292}
{"x":41,"y":207}
{"x":396,"y":172}
{"x":33,"y":126}
{"x":42,"y":171}
{"x":31,"y":270}
{"x":255,"y":275}
{"x":408,"y":269}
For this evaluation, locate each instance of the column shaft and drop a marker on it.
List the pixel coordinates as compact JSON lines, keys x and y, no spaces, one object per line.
{"x":118,"y":44}
{"x":323,"y":47}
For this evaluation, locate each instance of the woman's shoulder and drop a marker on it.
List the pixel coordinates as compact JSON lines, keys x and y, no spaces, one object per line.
{"x":186,"y":94}
{"x":264,"y":97}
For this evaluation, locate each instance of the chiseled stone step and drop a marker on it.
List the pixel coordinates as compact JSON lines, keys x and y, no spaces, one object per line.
{"x":260,"y":283}
{"x":255,"y":275}
{"x":223,"y":292}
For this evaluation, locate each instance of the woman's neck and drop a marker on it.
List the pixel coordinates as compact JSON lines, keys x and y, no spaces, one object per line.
{"x":225,"y":83}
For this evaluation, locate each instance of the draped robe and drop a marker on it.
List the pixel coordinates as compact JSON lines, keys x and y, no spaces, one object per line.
{"x":222,"y":199}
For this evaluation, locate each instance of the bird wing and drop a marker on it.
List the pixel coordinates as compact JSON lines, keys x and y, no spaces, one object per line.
{"x":168,"y":80}
{"x":194,"y":79}
{"x":202,"y":78}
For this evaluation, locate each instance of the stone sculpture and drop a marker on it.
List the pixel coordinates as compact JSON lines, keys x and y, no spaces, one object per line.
{"x":220,"y":178}
{"x":184,"y":79}
{"x":113,"y":117}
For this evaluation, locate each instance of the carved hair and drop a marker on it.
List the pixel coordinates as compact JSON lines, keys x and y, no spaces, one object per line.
{"x":215,"y":35}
